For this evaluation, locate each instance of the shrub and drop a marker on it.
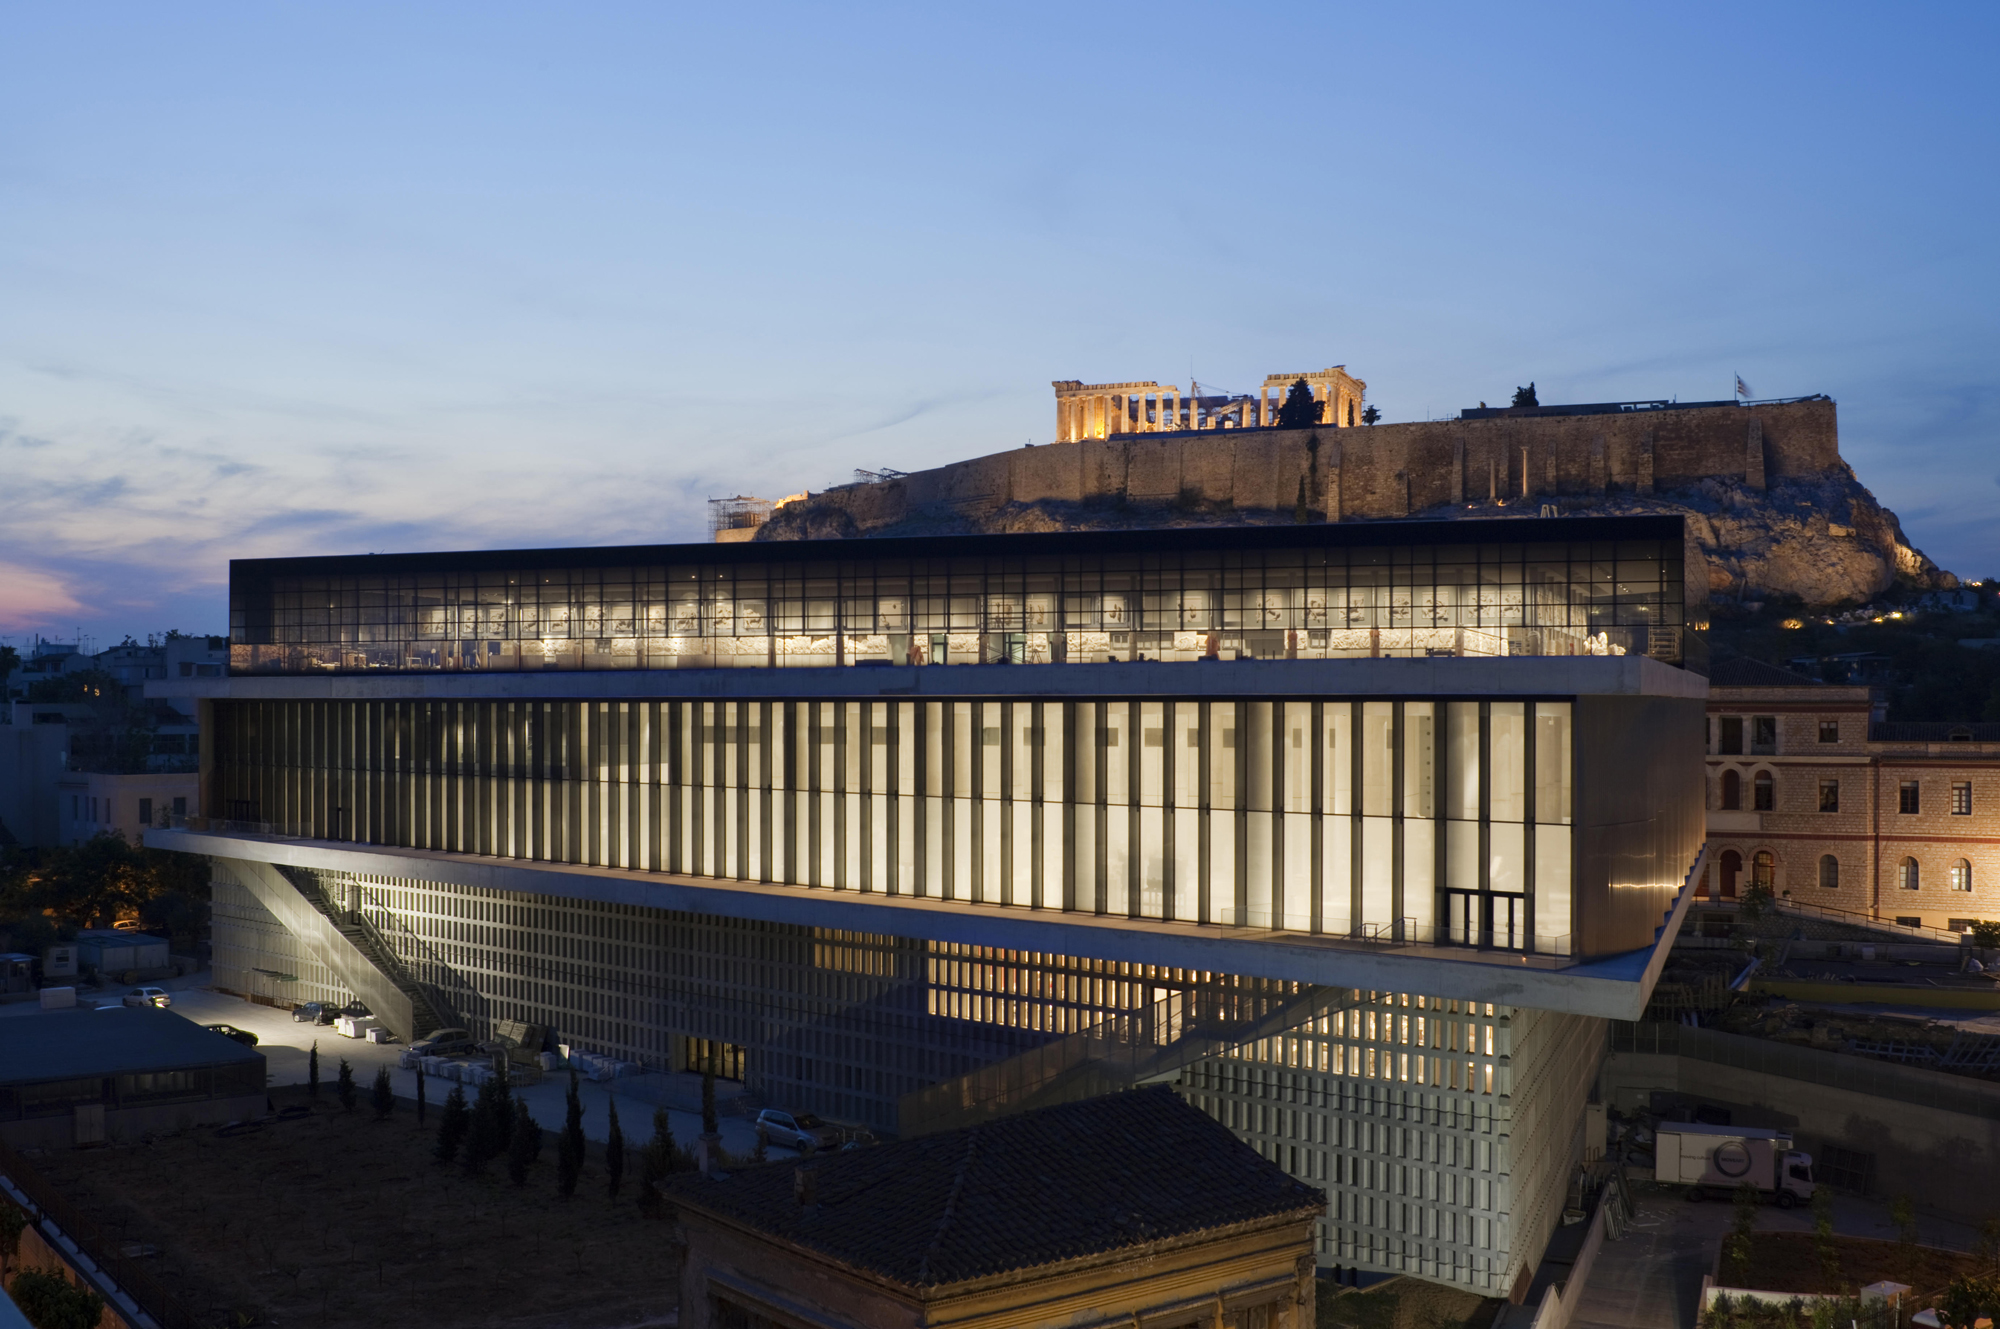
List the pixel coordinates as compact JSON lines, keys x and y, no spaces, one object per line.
{"x":51,"y":1301}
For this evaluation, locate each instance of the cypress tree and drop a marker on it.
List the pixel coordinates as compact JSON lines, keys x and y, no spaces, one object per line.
{"x":1300,"y":409}
{"x":569,"y":1150}
{"x":657,"y":1159}
{"x":492,"y":1120}
{"x":524,"y":1145}
{"x":708,"y":1126}
{"x":453,"y":1123}
{"x":312,"y":1071}
{"x":344,"y":1086}
{"x":614,"y":1154}
{"x":383,"y":1095}
{"x":421,"y":1077}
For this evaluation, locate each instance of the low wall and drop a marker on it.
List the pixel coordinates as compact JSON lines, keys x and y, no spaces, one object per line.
{"x":59,"y":1132}
{"x":38,"y":1252}
{"x":1927,"y":1133}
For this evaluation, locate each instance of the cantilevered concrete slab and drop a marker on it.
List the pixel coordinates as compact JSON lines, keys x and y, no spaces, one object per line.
{"x":1616,"y":987}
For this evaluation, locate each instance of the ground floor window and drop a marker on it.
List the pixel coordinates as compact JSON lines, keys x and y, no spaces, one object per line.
{"x":723,"y":1060}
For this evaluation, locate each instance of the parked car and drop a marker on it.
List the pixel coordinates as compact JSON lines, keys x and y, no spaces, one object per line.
{"x":148,"y":997}
{"x":801,"y":1130}
{"x":313,"y":1012}
{"x":443,"y":1043}
{"x":243,"y":1036}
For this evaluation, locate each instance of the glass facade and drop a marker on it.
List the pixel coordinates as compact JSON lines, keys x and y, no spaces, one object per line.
{"x":1386,"y":820}
{"x":1309,"y":592}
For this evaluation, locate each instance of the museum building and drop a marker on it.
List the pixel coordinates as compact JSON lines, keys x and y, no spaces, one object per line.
{"x":1356,"y":833}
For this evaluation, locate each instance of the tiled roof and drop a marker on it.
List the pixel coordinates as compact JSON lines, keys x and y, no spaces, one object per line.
{"x":1016,"y":1193}
{"x":1740,"y":671}
{"x":1933,"y":731}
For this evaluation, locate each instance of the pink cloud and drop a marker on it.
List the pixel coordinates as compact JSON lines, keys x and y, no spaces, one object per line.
{"x":29,"y":598}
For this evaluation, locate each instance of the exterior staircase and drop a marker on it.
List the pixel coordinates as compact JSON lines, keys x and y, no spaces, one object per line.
{"x":1120,"y":1052}
{"x":425,"y":1016}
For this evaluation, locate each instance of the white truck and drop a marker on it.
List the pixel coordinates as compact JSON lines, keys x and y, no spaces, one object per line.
{"x":1713,"y":1161}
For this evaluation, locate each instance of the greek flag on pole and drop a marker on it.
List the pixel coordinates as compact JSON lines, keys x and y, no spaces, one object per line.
{"x":1742,"y":388}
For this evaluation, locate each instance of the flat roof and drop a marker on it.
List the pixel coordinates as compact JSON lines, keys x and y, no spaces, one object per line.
{"x":1180,"y":540}
{"x":123,"y":1040}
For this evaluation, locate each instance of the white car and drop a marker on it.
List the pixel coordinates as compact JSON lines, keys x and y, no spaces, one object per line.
{"x":148,"y":997}
{"x":801,"y":1130}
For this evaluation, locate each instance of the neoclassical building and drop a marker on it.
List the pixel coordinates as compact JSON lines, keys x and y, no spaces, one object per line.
{"x":1813,"y":794}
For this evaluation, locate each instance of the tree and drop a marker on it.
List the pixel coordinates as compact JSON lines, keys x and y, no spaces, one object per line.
{"x":614,"y":1153}
{"x":1370,"y":416}
{"x":524,"y":1145}
{"x":382,"y":1096}
{"x":1903,"y":1213}
{"x":1824,"y":1249}
{"x":1969,"y":1299}
{"x":51,"y":1301}
{"x":421,"y":1077}
{"x":569,"y":1149}
{"x":657,"y":1159}
{"x":1300,"y":409}
{"x":343,"y":1086}
{"x":1525,"y":396}
{"x":1736,"y":1246}
{"x":453,"y":1123}
{"x":13,"y":1222}
{"x":708,"y":1126}
{"x":10,"y":660}
{"x":492,"y":1122}
{"x":312,"y":1071}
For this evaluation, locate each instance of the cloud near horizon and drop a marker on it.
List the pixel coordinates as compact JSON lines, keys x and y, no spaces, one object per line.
{"x":30,"y":598}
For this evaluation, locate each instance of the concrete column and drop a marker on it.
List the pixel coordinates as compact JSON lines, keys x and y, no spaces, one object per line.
{"x":1753,"y":457}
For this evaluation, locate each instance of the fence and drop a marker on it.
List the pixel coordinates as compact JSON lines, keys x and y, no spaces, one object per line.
{"x":1862,"y":1075}
{"x":67,"y":1229}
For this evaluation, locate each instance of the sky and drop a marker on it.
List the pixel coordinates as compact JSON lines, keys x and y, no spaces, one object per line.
{"x":289,"y":279}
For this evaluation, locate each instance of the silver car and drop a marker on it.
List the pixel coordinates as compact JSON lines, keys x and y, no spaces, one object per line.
{"x":801,"y":1130}
{"x":148,"y":997}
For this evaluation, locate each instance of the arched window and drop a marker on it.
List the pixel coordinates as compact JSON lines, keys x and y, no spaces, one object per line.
{"x":1829,"y":872}
{"x":1961,"y":875}
{"x":1763,"y":792}
{"x":1732,"y":791}
{"x":1764,"y":869}
{"x":1732,"y":868}
{"x":1906,"y":874}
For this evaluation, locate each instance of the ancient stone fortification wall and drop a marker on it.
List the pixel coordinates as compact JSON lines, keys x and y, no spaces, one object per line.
{"x":1772,"y":506}
{"x":1385,"y":471}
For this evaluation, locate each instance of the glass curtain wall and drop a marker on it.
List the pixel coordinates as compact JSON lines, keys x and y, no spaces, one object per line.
{"x":1568,"y":598}
{"x":1387,"y":820}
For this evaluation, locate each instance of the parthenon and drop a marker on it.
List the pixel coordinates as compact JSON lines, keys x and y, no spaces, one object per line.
{"x":1099,"y":410}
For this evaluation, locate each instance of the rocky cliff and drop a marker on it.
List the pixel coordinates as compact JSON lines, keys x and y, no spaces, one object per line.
{"x":1801,"y":527}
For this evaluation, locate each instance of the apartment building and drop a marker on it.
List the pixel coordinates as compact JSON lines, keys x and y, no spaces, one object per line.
{"x":1357,"y":833}
{"x":1812,"y":794}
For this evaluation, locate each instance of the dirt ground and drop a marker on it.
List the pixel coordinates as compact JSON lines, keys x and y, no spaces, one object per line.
{"x":1787,"y":1262}
{"x":1403,"y":1303}
{"x":337,"y":1219}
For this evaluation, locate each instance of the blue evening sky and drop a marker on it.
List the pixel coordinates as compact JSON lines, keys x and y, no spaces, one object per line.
{"x":296,"y":279}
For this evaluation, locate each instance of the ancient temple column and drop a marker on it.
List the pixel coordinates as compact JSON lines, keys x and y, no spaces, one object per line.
{"x":1264,"y":405}
{"x":1175,"y":421}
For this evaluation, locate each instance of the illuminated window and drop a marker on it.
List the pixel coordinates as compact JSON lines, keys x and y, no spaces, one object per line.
{"x":1961,"y":875}
{"x":1907,"y":875}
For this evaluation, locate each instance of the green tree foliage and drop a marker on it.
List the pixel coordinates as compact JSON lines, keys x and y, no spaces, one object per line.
{"x":343,"y":1086}
{"x":382,"y":1096}
{"x":656,"y":1160}
{"x":1968,"y":1299}
{"x":708,"y":1125}
{"x":100,"y":881}
{"x":492,"y":1123}
{"x":1526,"y":396}
{"x":1986,"y":936}
{"x":1736,"y":1246}
{"x":614,"y":1153}
{"x":453,"y":1123}
{"x":13,"y":1223}
{"x":1300,"y":409}
{"x":569,"y":1149}
{"x":51,"y":1301}
{"x":524,"y":1145}
{"x":312,"y":1071}
{"x":421,"y":1104}
{"x":1371,"y":416}
{"x":1824,"y":1249}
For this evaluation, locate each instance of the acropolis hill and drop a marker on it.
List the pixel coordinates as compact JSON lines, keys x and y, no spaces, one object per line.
{"x":1774,"y":509}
